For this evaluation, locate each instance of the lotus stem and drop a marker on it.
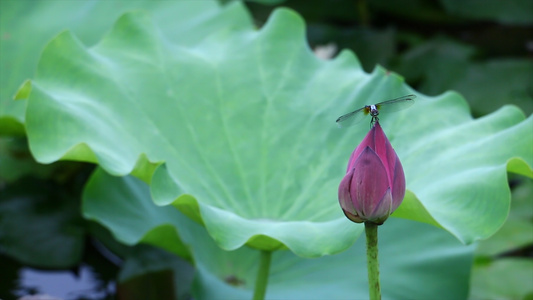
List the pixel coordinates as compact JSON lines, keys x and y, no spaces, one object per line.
{"x":371,"y":230}
{"x":261,"y":281}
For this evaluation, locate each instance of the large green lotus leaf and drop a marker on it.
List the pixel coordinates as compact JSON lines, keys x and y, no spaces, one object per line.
{"x":517,"y":232}
{"x":26,"y":27}
{"x":417,"y":261}
{"x":244,"y":122}
{"x":161,"y":233}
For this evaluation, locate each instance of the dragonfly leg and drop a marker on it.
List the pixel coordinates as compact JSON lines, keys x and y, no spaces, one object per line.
{"x":373,"y":121}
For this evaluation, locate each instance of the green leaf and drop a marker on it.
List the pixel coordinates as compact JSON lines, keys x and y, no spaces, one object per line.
{"x":441,"y":64}
{"x":244,"y":122}
{"x":151,"y":273}
{"x":162,"y":233}
{"x":24,"y":91}
{"x":266,"y":2}
{"x":434,"y":63}
{"x":508,"y":278}
{"x":420,"y":10}
{"x":413,"y":209}
{"x":27,"y":26}
{"x":488,"y":84}
{"x":373,"y":46}
{"x":517,"y":232}
{"x":16,"y":161}
{"x":406,"y":247}
{"x":517,"y":12}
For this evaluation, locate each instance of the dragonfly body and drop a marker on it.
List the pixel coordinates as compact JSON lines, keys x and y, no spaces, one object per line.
{"x":374,"y":110}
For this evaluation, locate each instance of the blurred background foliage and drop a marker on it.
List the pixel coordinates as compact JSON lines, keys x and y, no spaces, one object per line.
{"x":482,"y":49}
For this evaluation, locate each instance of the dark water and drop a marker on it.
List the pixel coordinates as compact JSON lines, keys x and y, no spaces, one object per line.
{"x":92,"y":279}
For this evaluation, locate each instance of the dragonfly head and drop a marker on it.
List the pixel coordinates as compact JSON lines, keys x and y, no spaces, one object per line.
{"x":374,"y":112}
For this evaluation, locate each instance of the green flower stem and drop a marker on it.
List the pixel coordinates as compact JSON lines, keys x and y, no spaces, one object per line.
{"x":261,"y":281}
{"x":371,"y":230}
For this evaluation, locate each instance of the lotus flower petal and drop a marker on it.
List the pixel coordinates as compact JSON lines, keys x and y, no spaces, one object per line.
{"x":374,"y":185}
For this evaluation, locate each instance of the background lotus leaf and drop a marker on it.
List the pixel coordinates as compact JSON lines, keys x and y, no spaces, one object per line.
{"x":244,"y":122}
{"x":510,"y":12}
{"x":27,"y":26}
{"x":410,"y":253}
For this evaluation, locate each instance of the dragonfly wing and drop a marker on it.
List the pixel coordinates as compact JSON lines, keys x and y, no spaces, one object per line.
{"x":396,"y":104}
{"x":352,"y":118}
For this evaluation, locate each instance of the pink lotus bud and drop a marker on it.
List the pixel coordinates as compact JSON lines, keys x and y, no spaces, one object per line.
{"x":374,"y":184}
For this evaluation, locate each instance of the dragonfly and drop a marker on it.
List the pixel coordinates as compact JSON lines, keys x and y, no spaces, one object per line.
{"x":374,"y":110}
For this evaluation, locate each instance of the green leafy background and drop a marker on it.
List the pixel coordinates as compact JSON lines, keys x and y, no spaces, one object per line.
{"x":123,"y":205}
{"x":234,"y":127}
{"x":260,"y":153}
{"x":27,"y":27}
